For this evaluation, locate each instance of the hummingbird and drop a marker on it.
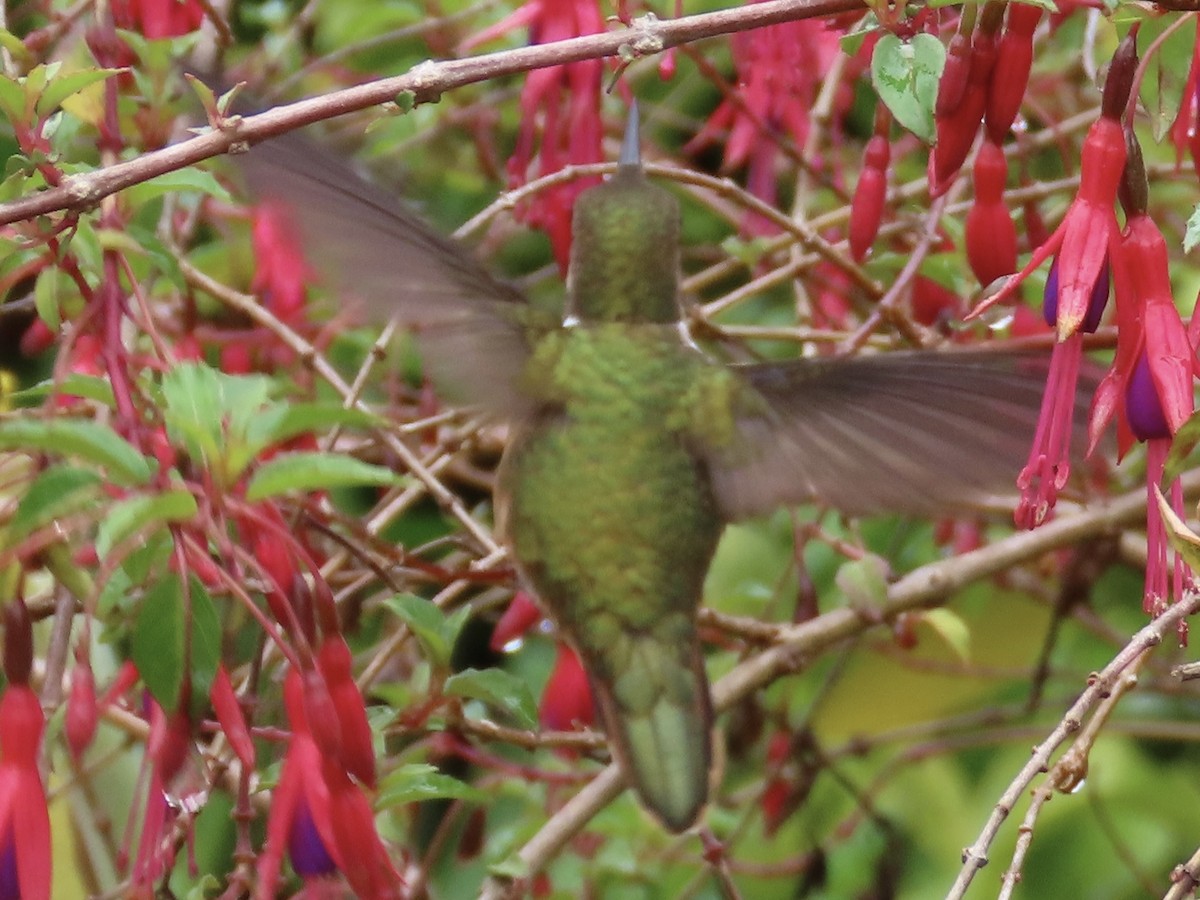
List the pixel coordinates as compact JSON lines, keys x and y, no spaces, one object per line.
{"x":631,"y":447}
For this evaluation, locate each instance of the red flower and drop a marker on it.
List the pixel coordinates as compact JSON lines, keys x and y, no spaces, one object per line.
{"x":1149,"y":388}
{"x":1048,"y":468}
{"x":24,"y":820}
{"x":521,"y":615}
{"x":560,"y":106}
{"x":1010,"y":77}
{"x":779,"y":70}
{"x":281,"y":273}
{"x":866,"y":209}
{"x":25,"y":862}
{"x":158,"y":18}
{"x":567,"y":698}
{"x":990,"y":234}
{"x":320,"y":817}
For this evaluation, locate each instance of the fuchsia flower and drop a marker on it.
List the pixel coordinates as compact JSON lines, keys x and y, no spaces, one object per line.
{"x":158,"y":18}
{"x":991,"y":235}
{"x":560,"y":114}
{"x":1078,"y":289}
{"x":281,"y":273}
{"x":320,"y":817}
{"x":567,"y":701}
{"x":866,"y":209}
{"x":1149,"y":387}
{"x":25,"y":862}
{"x":779,"y":70}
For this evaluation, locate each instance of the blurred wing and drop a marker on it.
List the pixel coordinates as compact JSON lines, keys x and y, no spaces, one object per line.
{"x":376,"y":253}
{"x":914,"y":433}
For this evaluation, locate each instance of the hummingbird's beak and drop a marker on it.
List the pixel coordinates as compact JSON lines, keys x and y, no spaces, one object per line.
{"x":631,"y":144}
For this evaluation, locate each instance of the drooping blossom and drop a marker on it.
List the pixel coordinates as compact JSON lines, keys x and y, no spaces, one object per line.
{"x":560,"y":114}
{"x":567,"y":701}
{"x":779,"y":70}
{"x":991,"y":236}
{"x":25,"y":861}
{"x":962,"y":98}
{"x":319,"y":817}
{"x":1010,"y":76}
{"x":158,"y":18}
{"x":1148,"y":389}
{"x":1078,"y":287}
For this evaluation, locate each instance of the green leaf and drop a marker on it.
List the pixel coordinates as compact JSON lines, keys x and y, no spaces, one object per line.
{"x":12,"y":99}
{"x":75,"y":384}
{"x":189,"y":179}
{"x":1192,"y":236}
{"x":15,"y":46}
{"x":419,"y":781}
{"x":301,"y":418}
{"x":69,"y":85}
{"x":315,"y":471}
{"x":1183,"y":540}
{"x":863,"y":582}
{"x":952,"y":629}
{"x":56,"y":493}
{"x":905,"y":75}
{"x":157,"y":642}
{"x":46,"y":292}
{"x":434,"y":630}
{"x":497,"y":689}
{"x":136,"y":514}
{"x":161,"y":634}
{"x":83,"y":438}
{"x":206,"y":411}
{"x":206,"y":644}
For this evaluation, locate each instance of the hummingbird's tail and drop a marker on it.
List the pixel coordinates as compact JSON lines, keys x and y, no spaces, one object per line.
{"x":658,"y":715}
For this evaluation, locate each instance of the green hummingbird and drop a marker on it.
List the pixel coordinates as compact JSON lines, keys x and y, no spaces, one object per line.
{"x":631,"y":447}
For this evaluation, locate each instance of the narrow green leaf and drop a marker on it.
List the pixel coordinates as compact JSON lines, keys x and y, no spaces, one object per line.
{"x":905,"y":75}
{"x":497,"y":689}
{"x":75,"y":384}
{"x":1182,"y":445}
{"x":69,"y":85}
{"x":300,"y":418}
{"x":863,"y":582}
{"x":206,"y":643}
{"x":952,"y":629}
{"x":12,"y":99}
{"x":46,"y":292}
{"x":142,"y":513}
{"x":189,"y":179}
{"x":1192,"y":236}
{"x":82,"y":438}
{"x":314,"y":471}
{"x":54,"y":494}
{"x":1183,"y":540}
{"x":419,"y":781}
{"x":157,"y":642}
{"x":162,"y":631}
{"x":427,"y":624}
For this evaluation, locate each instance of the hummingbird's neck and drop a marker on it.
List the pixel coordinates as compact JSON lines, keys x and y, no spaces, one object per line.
{"x":625,"y":252}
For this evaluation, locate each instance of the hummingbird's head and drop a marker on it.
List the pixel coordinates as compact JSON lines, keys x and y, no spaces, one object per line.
{"x":625,"y":247}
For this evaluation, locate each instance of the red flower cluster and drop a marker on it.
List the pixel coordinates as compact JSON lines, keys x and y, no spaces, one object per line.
{"x":779,"y":70}
{"x":560,"y":114}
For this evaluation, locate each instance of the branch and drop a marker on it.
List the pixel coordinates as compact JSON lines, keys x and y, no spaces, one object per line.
{"x":425,"y":83}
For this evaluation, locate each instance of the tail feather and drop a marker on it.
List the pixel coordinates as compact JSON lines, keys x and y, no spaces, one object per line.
{"x":658,"y":715}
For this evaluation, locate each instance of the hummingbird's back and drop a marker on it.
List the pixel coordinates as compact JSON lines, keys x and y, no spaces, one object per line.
{"x":611,"y":514}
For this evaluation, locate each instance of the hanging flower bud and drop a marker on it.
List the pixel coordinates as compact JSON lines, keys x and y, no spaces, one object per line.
{"x":990,"y":234}
{"x":1014,"y":58}
{"x":866,"y":209}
